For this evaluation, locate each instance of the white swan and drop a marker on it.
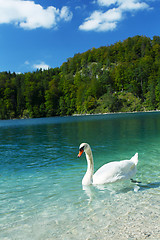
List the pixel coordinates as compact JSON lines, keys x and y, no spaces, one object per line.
{"x":110,"y":172}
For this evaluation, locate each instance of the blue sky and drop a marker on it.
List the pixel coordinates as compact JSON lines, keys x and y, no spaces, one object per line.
{"x":45,"y":33}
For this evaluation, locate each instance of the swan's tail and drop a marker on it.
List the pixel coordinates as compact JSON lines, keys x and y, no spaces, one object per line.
{"x":135,"y":159}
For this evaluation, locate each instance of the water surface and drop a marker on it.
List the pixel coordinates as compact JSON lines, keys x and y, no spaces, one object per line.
{"x":41,"y":196}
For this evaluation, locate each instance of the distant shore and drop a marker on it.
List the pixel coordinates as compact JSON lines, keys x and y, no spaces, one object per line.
{"x":88,"y":114}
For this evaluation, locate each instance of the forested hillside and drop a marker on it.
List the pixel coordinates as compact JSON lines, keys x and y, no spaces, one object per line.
{"x":121,"y":77}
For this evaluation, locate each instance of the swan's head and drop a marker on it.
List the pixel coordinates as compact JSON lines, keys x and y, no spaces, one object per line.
{"x":84,"y":147}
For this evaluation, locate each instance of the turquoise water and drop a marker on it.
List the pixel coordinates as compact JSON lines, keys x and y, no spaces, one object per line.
{"x":41,"y":196}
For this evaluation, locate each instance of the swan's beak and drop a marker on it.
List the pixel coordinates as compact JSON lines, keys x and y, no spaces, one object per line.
{"x":80,"y":152}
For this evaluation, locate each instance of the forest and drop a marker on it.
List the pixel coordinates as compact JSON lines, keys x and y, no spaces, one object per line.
{"x":121,"y":77}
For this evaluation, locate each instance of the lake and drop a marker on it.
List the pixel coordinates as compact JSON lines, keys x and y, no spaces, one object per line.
{"x":41,"y":195}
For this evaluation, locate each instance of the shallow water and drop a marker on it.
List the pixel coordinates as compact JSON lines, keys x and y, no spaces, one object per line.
{"x":41,"y":196}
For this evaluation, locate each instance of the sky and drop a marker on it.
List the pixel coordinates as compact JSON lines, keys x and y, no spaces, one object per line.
{"x":43,"y":34}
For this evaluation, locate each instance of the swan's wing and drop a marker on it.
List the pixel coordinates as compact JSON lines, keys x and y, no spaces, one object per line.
{"x":127,"y":168}
{"x":114,"y":171}
{"x":107,"y":173}
{"x":135,"y":159}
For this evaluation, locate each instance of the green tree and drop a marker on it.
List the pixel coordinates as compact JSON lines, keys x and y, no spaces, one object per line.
{"x":52,"y":98}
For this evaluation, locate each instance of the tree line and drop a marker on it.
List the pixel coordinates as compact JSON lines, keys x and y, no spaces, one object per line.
{"x":122,"y":77}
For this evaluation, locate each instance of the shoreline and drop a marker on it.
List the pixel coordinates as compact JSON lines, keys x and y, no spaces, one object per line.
{"x":107,"y":113}
{"x":83,"y":114}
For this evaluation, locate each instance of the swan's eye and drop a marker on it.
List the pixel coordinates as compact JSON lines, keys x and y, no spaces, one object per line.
{"x":81,"y":149}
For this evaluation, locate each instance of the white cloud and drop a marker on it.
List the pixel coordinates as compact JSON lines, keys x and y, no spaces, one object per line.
{"x":124,"y":4}
{"x":99,"y":21}
{"x":108,"y":20}
{"x":41,"y":65}
{"x":106,"y":2}
{"x":132,"y":5}
{"x":66,"y":14}
{"x":78,"y":7}
{"x":29,"y":15}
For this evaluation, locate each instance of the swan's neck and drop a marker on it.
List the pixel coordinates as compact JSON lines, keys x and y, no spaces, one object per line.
{"x":87,"y":179}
